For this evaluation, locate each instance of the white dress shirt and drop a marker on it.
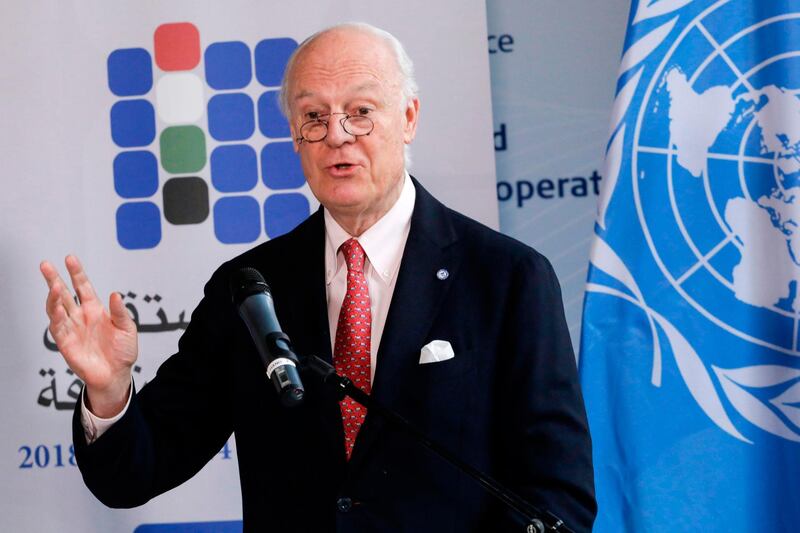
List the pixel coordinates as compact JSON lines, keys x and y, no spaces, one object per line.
{"x":383,"y":244}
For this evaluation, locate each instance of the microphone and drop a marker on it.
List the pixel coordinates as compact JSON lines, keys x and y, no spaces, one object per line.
{"x":253,"y":299}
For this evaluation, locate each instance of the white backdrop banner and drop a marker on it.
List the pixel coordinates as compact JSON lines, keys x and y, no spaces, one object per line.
{"x":145,"y":137}
{"x":554,"y":65}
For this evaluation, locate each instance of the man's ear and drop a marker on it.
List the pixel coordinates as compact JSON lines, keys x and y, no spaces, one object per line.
{"x":411,"y":117}
{"x":293,"y":131}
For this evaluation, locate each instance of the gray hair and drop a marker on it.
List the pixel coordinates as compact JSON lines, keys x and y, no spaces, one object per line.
{"x":404,"y":64}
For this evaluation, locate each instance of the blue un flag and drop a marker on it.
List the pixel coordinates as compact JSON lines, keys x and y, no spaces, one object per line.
{"x":690,"y":356}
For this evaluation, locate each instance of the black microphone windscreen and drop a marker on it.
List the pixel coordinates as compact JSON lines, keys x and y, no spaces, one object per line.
{"x":246,"y":282}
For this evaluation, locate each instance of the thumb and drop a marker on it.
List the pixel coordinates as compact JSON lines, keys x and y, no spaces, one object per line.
{"x":119,"y":313}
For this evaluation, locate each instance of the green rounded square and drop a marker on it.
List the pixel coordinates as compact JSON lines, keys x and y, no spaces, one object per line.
{"x":183,"y":149}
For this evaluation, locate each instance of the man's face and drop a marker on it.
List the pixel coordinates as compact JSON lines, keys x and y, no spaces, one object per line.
{"x":350,"y":71}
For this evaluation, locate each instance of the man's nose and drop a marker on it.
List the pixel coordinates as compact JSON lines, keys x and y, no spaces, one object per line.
{"x":337,"y":135}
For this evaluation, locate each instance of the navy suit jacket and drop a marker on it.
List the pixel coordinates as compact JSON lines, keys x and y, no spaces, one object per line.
{"x":509,"y":402}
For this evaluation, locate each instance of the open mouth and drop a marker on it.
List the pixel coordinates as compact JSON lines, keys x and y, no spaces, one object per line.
{"x":342,"y":166}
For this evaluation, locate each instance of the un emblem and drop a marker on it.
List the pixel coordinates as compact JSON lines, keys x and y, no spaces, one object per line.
{"x":713,"y":155}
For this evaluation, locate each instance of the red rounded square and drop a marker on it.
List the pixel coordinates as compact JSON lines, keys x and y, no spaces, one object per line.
{"x":177,"y":46}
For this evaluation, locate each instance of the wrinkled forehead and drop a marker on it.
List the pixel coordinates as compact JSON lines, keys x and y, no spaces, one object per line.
{"x":343,"y":60}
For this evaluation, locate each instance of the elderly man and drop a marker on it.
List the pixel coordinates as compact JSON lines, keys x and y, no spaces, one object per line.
{"x":384,"y":251}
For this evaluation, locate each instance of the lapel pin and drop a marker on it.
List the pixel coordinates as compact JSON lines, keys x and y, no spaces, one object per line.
{"x":442,"y":274}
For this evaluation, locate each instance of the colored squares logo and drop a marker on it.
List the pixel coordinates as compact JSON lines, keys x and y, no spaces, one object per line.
{"x":270,"y":119}
{"x":280,"y":166}
{"x":271,"y":58}
{"x":183,"y":149}
{"x":282,"y":212}
{"x":185,"y":200}
{"x":138,"y":225}
{"x":223,"y":154}
{"x":192,"y":527}
{"x":130,"y":72}
{"x":237,"y":219}
{"x":234,"y":168}
{"x":228,"y":66}
{"x":177,"y":46}
{"x":179,"y":98}
{"x":230,"y":117}
{"x":135,"y":174}
{"x":133,"y":123}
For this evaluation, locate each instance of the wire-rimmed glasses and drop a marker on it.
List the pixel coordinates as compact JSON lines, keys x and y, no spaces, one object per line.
{"x":316,"y":130}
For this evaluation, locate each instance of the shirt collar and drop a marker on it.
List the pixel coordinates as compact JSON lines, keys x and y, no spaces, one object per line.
{"x":383,"y":242}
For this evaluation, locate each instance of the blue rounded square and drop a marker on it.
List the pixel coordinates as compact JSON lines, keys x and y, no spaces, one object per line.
{"x":234,"y":168}
{"x":138,"y":225}
{"x":271,"y":121}
{"x":133,"y":123}
{"x":271,"y":58}
{"x":135,"y":174}
{"x":130,"y":72}
{"x":237,"y":219}
{"x":230,"y":117}
{"x":233,"y":526}
{"x":283,"y":212}
{"x":228,"y":65}
{"x":280,"y":166}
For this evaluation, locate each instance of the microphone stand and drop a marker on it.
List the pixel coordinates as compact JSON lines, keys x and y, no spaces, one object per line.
{"x":537,"y":521}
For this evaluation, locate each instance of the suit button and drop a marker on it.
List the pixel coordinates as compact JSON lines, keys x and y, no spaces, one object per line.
{"x":344,"y":504}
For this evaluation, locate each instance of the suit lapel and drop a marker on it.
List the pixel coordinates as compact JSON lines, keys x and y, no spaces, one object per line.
{"x":416,"y":300}
{"x":306,"y":304}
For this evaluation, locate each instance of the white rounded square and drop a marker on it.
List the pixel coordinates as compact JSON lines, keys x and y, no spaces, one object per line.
{"x":179,"y":98}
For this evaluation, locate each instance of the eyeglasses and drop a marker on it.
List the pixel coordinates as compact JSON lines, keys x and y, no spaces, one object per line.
{"x":316,"y":129}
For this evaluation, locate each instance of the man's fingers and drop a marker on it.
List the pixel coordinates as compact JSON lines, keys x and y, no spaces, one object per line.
{"x":58,"y":322}
{"x":53,"y":301}
{"x":59,"y":325}
{"x":119,"y":313}
{"x":49,"y":272}
{"x":67,"y":300}
{"x":80,"y":281}
{"x":57,"y":288}
{"x":59,"y":297}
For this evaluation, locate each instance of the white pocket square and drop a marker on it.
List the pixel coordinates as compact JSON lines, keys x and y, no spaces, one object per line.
{"x":436,"y":351}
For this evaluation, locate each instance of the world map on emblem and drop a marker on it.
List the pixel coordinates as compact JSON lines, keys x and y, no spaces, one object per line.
{"x":690,"y":347}
{"x":716,"y":174}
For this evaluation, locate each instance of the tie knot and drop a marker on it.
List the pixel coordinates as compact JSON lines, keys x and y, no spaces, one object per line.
{"x":354,"y":255}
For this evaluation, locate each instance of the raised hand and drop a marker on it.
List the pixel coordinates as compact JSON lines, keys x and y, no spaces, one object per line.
{"x":98,"y":345}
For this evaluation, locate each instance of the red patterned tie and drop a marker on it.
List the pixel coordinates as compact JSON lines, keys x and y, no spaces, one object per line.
{"x":351,"y":351}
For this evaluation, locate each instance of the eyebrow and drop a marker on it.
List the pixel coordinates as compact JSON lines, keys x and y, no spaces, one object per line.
{"x":367,"y":85}
{"x":364,"y":86}
{"x":303,"y":94}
